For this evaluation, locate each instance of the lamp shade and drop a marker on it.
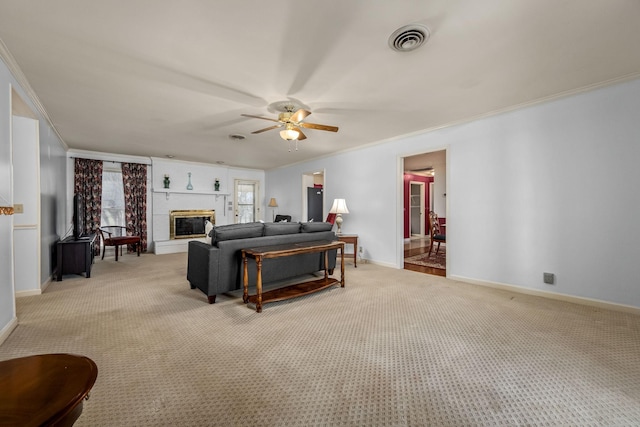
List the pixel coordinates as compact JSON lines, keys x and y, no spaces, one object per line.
{"x":273,"y":203}
{"x":339,"y":207}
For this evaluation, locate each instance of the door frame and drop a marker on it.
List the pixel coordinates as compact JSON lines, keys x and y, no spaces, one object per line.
{"x":256,"y":197}
{"x":308,"y":181}
{"x":421,"y":206}
{"x":400,"y":160}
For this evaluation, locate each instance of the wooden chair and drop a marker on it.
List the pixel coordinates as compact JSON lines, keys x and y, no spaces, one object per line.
{"x":434,"y":228}
{"x":281,"y":218}
{"x":117,"y":241}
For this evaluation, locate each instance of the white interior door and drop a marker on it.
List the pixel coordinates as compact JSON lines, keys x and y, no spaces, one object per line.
{"x":246,"y":206}
{"x":26,"y":191}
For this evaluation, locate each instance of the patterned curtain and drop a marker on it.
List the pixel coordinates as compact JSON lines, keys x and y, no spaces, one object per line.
{"x":134,"y":177}
{"x":88,"y":184}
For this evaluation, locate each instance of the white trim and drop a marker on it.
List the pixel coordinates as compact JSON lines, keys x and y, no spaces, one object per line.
{"x":380,"y":263}
{"x":29,"y":293}
{"x":6,"y":331}
{"x":552,"y":295}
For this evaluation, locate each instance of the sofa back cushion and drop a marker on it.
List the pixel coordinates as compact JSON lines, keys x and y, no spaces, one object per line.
{"x":314,"y":227}
{"x":236,"y":231}
{"x":279,"y":228}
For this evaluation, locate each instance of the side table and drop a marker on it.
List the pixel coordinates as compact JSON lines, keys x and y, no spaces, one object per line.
{"x":351,"y":239}
{"x":46,"y":389}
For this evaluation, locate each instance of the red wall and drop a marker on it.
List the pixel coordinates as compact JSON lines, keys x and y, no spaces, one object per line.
{"x":419,"y":178}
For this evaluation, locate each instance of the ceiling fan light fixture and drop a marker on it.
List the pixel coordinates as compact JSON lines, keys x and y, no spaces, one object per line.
{"x":289,"y":134}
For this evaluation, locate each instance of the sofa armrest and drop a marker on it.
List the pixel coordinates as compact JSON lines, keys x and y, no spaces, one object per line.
{"x":202,"y":268}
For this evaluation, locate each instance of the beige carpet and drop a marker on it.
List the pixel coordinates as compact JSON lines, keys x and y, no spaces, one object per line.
{"x":393,"y":348}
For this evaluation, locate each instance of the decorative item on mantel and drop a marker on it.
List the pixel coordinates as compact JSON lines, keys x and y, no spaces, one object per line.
{"x":216,"y":184}
{"x":166,"y":181}
{"x":189,"y":186}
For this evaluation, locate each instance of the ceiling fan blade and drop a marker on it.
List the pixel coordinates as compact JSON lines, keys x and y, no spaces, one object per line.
{"x":299,"y":115}
{"x":302,"y":135}
{"x":259,"y":117}
{"x":266,"y":129}
{"x":319,"y":127}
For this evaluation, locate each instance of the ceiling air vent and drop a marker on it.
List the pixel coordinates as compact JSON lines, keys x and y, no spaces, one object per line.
{"x":409,"y":37}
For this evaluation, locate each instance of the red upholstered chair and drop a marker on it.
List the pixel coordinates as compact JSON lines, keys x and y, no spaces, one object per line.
{"x":331,"y":218}
{"x":116,"y":241}
{"x":436,"y":236}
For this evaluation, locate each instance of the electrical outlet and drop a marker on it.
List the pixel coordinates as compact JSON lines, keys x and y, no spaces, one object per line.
{"x":549,"y":278}
{"x":360,"y":249}
{"x":18,"y":208}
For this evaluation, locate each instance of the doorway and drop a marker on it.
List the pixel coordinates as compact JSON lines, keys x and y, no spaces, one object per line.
{"x":424,"y":178}
{"x":246,"y":207}
{"x":416,"y":207}
{"x":27,"y":245}
{"x":313,"y":202}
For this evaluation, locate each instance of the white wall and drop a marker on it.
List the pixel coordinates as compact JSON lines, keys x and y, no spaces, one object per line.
{"x":7,"y":293}
{"x":53,"y":198}
{"x":548,"y":188}
{"x":202,"y":196}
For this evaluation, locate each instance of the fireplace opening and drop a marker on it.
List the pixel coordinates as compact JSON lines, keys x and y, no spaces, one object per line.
{"x":188,"y":224}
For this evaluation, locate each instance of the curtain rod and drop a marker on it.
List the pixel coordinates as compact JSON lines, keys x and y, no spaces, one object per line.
{"x":110,"y":161}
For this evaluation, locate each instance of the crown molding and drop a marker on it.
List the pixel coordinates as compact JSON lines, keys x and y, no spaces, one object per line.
{"x":23,"y":83}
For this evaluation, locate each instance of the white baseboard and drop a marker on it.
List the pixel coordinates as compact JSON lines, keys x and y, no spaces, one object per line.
{"x":6,"y":331}
{"x":29,"y":293}
{"x":552,"y":295}
{"x":382,"y":264}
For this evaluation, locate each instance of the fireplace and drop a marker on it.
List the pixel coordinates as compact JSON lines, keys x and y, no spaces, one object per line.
{"x":185,"y":224}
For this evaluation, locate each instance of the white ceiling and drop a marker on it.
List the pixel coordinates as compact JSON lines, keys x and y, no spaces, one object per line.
{"x":158,"y":77}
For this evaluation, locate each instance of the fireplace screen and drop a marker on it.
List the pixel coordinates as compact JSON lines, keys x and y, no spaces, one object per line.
{"x":189,"y":224}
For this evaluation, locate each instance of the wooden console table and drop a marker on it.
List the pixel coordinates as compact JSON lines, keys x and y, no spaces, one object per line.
{"x":353,"y":240}
{"x":75,"y":256}
{"x":46,"y":389}
{"x":298,"y":289}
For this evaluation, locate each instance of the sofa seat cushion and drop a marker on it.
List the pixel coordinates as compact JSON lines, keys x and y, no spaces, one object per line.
{"x":236,"y":231}
{"x":280,"y":228}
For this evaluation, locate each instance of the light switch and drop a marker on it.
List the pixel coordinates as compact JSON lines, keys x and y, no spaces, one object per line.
{"x":18,"y":208}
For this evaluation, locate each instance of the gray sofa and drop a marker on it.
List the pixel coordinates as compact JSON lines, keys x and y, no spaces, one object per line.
{"x":217,"y":267}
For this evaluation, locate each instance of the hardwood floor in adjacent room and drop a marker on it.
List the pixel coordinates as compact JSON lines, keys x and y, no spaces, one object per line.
{"x":416,"y":246}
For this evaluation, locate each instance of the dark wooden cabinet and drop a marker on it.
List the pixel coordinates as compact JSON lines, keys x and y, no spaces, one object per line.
{"x":75,"y":256}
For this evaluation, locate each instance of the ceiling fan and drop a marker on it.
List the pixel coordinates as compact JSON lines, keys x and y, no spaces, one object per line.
{"x":292,"y":122}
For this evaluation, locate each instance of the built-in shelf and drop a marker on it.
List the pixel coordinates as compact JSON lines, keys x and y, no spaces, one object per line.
{"x":169,"y":191}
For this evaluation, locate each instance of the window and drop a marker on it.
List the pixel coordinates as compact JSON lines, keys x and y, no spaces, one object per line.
{"x":112,"y":196}
{"x":246,"y":195}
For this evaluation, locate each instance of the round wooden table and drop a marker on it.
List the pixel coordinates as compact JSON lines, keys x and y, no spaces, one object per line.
{"x":46,"y":389}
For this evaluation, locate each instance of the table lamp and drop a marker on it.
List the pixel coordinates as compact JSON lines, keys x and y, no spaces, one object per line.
{"x":339,"y":207}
